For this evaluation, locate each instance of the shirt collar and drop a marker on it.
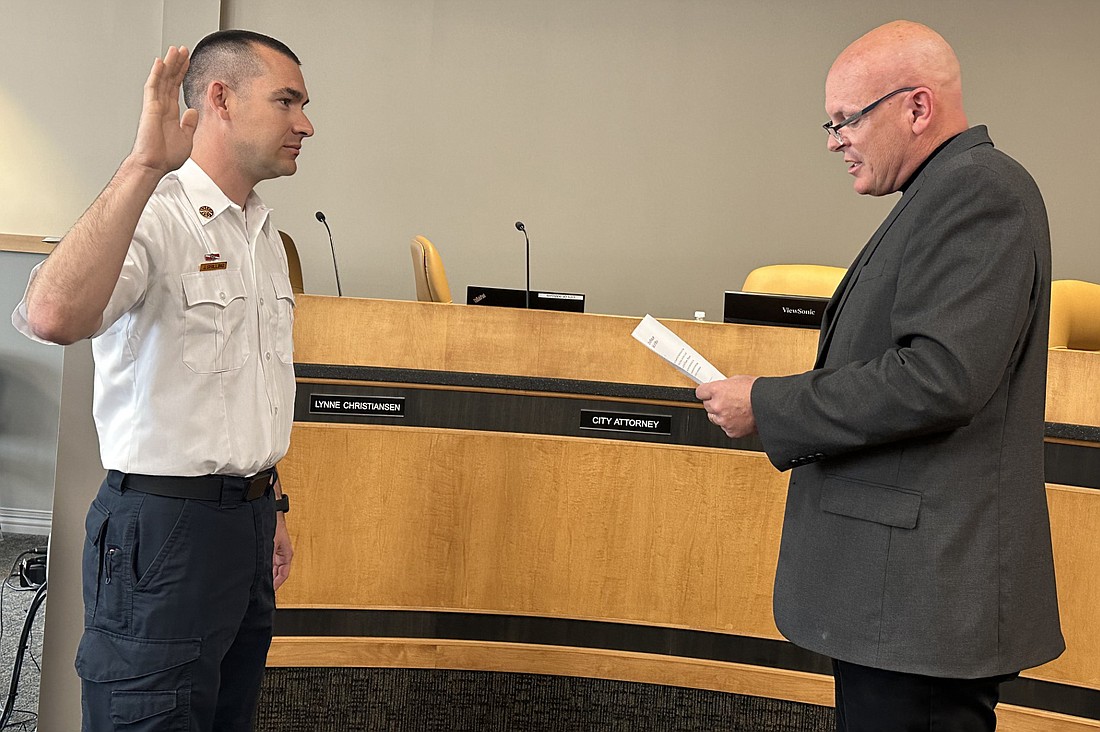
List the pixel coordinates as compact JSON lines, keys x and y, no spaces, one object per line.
{"x":207,"y":201}
{"x":924,"y":165}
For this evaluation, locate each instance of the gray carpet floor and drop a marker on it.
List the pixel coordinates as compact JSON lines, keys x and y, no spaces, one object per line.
{"x":437,"y":700}
{"x":15,"y":603}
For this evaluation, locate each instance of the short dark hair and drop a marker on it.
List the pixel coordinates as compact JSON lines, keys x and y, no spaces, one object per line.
{"x":231,"y":55}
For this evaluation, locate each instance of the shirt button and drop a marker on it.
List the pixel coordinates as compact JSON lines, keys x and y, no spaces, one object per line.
{"x":268,"y":355}
{"x":261,"y":301}
{"x":221,"y":296}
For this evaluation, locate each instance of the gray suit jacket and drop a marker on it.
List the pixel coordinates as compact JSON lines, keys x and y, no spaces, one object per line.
{"x":916,"y":535}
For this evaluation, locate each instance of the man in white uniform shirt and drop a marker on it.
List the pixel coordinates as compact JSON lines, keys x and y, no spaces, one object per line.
{"x":178,"y":275}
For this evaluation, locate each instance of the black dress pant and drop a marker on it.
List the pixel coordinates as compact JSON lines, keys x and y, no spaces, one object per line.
{"x":178,"y":611}
{"x":875,"y":700}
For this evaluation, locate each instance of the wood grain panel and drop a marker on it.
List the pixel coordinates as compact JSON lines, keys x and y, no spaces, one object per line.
{"x":1075,"y":533}
{"x":359,"y":332}
{"x":399,"y":334}
{"x":566,"y":527}
{"x":1073,"y":386}
{"x":393,"y":517}
{"x":522,"y":524}
{"x":1011,"y":718}
{"x":21,"y":243}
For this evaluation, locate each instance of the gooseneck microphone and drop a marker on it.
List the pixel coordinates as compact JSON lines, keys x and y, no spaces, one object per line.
{"x":321,"y":217}
{"x":527,"y":298}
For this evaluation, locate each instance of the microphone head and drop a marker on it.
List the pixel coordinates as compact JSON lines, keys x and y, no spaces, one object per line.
{"x":519,"y":226}
{"x":320,"y":217}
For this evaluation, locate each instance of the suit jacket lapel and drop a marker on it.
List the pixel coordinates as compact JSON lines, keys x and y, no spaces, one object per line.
{"x":964,"y":141}
{"x":836,"y":304}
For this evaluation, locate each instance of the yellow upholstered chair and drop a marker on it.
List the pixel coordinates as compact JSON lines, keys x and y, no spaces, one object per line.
{"x":813,"y":280}
{"x":294,"y":263}
{"x":431,"y":278}
{"x":1075,"y":315}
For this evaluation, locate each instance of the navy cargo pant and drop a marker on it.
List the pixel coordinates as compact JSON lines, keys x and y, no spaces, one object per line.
{"x":178,"y":608}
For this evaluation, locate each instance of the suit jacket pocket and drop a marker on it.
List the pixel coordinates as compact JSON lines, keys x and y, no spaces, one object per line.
{"x":875,"y":502}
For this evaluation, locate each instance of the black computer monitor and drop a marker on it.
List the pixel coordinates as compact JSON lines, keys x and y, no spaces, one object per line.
{"x":506,"y":297}
{"x":757,"y":308}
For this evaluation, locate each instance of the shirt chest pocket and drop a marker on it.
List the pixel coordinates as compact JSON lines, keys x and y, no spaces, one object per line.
{"x":283,"y":320}
{"x":215,"y":338}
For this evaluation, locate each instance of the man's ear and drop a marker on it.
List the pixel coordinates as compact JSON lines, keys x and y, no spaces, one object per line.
{"x":217,"y":98}
{"x":920,"y":107}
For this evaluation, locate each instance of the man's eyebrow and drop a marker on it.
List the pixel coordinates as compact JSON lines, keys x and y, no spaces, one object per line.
{"x":291,"y":92}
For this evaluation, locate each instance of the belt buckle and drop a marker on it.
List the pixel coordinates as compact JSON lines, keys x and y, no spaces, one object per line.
{"x":257,"y":486}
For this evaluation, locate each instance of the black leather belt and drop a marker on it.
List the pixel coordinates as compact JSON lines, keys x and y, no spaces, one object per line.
{"x":224,"y":488}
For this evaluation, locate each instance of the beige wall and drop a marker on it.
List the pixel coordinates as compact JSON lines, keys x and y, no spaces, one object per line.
{"x":30,"y":375}
{"x":657,"y":149}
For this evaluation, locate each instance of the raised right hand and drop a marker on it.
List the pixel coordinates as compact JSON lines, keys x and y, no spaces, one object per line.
{"x":66,"y":300}
{"x":164,"y":139}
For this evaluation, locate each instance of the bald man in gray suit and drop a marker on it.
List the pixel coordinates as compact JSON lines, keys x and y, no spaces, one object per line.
{"x":916,"y":543}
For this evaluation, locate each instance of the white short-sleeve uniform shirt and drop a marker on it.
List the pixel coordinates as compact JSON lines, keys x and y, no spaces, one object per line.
{"x":194,"y":360}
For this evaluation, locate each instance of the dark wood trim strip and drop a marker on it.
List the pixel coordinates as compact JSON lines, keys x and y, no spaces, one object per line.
{"x":536,"y":413}
{"x":1076,"y":465}
{"x":576,"y":387}
{"x":497,"y":381}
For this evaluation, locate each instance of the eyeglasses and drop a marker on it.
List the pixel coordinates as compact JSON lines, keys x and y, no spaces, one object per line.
{"x":834,"y":130}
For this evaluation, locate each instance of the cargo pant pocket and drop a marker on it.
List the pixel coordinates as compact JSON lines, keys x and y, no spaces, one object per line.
{"x":95,"y":527}
{"x":136,"y":684}
{"x":128,"y":708}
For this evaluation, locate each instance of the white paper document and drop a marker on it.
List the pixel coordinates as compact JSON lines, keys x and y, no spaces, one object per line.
{"x":672,"y":348}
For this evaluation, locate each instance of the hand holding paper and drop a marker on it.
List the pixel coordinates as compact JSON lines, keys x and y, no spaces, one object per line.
{"x":729,"y":404}
{"x":728,"y":401}
{"x":673,"y":349}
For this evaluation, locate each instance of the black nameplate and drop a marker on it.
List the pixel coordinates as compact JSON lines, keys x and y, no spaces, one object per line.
{"x":571,"y":302}
{"x":363,"y":406}
{"x":754,"y":308}
{"x":646,"y":424}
